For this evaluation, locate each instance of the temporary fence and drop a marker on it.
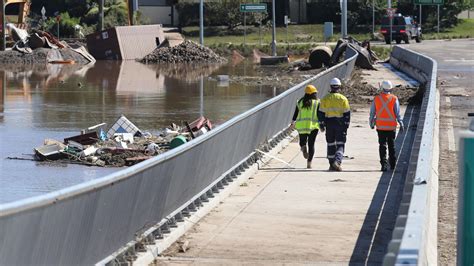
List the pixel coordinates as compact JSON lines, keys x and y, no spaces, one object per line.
{"x":86,"y":223}
{"x":414,"y":239}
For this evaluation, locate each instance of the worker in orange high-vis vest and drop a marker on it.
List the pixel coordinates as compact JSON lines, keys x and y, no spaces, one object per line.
{"x":384,"y":114}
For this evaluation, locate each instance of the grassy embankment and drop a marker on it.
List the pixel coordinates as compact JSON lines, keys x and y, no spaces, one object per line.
{"x":301,"y":39}
{"x":465,"y":29}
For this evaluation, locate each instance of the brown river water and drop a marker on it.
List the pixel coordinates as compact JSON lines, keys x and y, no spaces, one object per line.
{"x":57,"y":101}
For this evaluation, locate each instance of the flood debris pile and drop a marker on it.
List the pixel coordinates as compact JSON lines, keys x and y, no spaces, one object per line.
{"x":124,"y":144}
{"x":359,"y":91}
{"x":323,"y":56}
{"x":39,"y":47}
{"x":187,"y":51}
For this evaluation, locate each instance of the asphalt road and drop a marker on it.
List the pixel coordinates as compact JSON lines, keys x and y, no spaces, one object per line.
{"x":456,"y":85}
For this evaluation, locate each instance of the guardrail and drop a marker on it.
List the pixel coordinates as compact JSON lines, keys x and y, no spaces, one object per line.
{"x":414,"y":239}
{"x":85,"y":223}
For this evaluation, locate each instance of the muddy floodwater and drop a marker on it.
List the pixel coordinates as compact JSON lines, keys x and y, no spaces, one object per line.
{"x":57,"y":101}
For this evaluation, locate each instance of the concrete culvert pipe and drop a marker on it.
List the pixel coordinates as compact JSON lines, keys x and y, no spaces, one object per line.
{"x":319,"y":56}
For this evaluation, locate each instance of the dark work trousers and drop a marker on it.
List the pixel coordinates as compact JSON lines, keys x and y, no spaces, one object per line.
{"x":336,"y":133}
{"x":309,"y":139}
{"x":387,"y":137}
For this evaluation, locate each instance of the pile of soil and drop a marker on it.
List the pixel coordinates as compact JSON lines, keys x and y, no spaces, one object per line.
{"x":40,"y":56}
{"x":359,"y":92}
{"x":188,"y":51}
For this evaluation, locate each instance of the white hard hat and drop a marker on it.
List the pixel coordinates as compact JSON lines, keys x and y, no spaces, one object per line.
{"x":386,"y":85}
{"x":335,"y":82}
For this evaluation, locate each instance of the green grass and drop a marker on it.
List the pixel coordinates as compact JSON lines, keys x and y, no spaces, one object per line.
{"x":310,"y":33}
{"x":302,"y":34}
{"x":465,"y":29}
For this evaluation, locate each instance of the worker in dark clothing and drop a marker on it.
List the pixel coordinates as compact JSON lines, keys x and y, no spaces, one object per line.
{"x":305,"y":120}
{"x":335,"y":116}
{"x":384,"y":114}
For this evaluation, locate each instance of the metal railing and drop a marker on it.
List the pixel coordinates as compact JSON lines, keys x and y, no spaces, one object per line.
{"x":85,"y":223}
{"x":414,"y":239}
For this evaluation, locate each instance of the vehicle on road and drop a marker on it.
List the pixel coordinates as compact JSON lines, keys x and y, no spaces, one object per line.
{"x":403,"y":29}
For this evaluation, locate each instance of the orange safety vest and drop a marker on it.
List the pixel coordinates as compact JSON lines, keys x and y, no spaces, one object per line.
{"x":385,"y":118}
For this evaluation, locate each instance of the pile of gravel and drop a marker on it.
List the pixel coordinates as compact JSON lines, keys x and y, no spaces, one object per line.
{"x":187,"y":51}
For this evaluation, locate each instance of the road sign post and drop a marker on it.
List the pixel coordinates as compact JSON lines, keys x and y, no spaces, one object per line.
{"x":251,"y":8}
{"x":428,"y":2}
{"x":391,"y":14}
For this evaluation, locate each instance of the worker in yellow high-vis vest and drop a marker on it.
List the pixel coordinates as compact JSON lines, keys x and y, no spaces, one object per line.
{"x":306,"y":122}
{"x":335,"y":116}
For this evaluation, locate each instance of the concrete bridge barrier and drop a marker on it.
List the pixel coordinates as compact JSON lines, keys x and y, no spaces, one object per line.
{"x":414,"y":239}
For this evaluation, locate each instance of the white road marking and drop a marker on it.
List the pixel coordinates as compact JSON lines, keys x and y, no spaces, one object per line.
{"x":459,"y":60}
{"x":451,"y":143}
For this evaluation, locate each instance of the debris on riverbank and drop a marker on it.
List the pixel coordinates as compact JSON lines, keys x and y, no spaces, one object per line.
{"x":124,"y":144}
{"x":42,"y":56}
{"x":42,"y":48}
{"x":188,"y":51}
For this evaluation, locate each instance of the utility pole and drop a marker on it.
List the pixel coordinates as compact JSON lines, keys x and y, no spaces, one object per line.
{"x":438,"y":17}
{"x":420,"y":16}
{"x":201,"y":22}
{"x":344,"y":19}
{"x":373,"y":18}
{"x":274,"y":50}
{"x":4,"y":41}
{"x":391,"y":21}
{"x":101,"y":15}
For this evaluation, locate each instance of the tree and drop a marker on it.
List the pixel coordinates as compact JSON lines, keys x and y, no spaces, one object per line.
{"x":217,"y":13}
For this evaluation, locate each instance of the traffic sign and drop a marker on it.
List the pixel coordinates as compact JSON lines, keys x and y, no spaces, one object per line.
{"x":429,"y":2}
{"x":391,"y":12}
{"x":253,"y":7}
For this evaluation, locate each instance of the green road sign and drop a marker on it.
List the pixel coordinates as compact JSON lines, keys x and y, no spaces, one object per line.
{"x":253,"y":7}
{"x":429,"y":2}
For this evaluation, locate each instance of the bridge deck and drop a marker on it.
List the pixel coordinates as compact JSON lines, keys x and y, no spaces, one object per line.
{"x":306,"y":216}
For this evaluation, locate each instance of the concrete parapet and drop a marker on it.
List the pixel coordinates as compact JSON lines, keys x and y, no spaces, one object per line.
{"x":418,"y":244}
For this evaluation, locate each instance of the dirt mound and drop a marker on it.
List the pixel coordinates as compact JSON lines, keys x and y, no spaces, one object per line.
{"x":41,"y":56}
{"x":359,"y":92}
{"x":187,"y":51}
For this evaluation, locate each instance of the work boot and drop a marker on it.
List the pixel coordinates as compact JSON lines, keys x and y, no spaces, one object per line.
{"x":337,"y":166}
{"x":308,"y":165}
{"x":384,"y":167}
{"x":305,"y":152}
{"x":393,"y":163}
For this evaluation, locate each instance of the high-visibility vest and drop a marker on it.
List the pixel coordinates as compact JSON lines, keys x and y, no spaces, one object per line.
{"x":307,"y":119}
{"x":334,"y":105}
{"x":385,"y":118}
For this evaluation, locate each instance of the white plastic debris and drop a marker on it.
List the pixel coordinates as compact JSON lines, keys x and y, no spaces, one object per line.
{"x":89,"y":151}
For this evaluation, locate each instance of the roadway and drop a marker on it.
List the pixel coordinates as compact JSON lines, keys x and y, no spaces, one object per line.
{"x":456,"y":85}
